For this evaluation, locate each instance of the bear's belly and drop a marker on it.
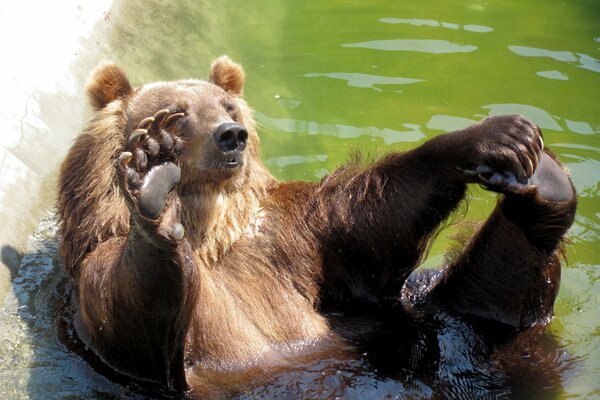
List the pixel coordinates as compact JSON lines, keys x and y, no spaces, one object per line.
{"x":241,"y":322}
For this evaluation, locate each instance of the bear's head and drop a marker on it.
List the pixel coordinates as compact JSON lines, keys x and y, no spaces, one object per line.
{"x":217,"y":130}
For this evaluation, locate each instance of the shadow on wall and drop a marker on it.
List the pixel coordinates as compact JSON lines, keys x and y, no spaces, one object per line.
{"x":11,"y":258}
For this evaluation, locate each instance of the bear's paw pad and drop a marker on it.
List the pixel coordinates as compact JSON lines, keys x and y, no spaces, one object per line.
{"x":150,"y":162}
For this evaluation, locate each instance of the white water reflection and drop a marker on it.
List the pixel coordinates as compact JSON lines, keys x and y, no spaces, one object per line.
{"x":389,"y":136}
{"x":419,"y":45}
{"x":585,"y":61}
{"x":434,"y":23}
{"x":365,"y":80}
{"x":478,"y":28}
{"x":580,"y":127}
{"x":284,"y":161}
{"x":537,"y":115}
{"x":448,"y":123}
{"x":565,"y":56}
{"x":557,"y":75}
{"x":584,"y":173}
{"x":576,"y":146}
{"x":588,"y":62}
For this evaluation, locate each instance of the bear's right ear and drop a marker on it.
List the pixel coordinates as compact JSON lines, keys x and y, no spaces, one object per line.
{"x":107,"y":83}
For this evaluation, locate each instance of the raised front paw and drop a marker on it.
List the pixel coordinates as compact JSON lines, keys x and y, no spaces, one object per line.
{"x":506,"y":152}
{"x":498,"y":181}
{"x":150,"y":164}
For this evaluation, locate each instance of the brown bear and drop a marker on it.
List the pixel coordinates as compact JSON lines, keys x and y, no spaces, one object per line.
{"x":186,"y":254}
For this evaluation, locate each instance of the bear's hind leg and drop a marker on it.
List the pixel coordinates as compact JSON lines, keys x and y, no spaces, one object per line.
{"x":510,"y":270}
{"x":551,"y":181}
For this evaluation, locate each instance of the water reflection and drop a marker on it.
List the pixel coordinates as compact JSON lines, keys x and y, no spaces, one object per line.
{"x":585,"y":61}
{"x":365,"y":80}
{"x":541,"y":117}
{"x":577,"y":146}
{"x":553,"y":75}
{"x":434,"y":23}
{"x":413,"y":134}
{"x":284,"y":161}
{"x":584,"y":173}
{"x":35,"y":364}
{"x":579,"y":127}
{"x":419,"y":45}
{"x":565,"y":56}
{"x":448,"y":123}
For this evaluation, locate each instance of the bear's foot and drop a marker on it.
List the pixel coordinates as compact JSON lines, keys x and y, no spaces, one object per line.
{"x":551,"y":181}
{"x":150,"y":167}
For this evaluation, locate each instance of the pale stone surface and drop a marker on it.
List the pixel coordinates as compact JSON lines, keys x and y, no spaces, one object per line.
{"x":48,"y":50}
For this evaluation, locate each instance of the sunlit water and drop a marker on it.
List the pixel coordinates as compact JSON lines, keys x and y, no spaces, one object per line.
{"x":329,"y":78}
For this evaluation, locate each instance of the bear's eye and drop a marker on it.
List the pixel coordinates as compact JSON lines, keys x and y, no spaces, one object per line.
{"x":230,"y":108}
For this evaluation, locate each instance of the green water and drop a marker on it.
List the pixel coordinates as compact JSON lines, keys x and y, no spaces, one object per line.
{"x":330,"y":78}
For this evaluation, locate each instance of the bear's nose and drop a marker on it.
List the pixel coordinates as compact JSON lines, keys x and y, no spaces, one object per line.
{"x":231,"y":136}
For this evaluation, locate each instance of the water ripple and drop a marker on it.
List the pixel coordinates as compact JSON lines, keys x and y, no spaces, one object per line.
{"x":365,"y":80}
{"x":434,"y":23}
{"x":553,"y":75}
{"x":419,"y":45}
{"x":580,"y":127}
{"x":541,"y":117}
{"x":284,"y":161}
{"x":585,"y":61}
{"x":448,"y":123}
{"x":413,"y":134}
{"x":565,"y":56}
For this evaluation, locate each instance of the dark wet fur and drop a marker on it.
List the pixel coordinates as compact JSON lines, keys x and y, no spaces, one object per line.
{"x":189,"y":264}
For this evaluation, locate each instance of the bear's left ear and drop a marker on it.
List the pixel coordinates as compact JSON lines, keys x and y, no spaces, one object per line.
{"x":228,"y":75}
{"x":107,"y":83}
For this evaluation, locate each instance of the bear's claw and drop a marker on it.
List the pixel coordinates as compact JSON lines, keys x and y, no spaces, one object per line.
{"x":172,"y":118}
{"x":150,"y":161}
{"x":137,"y":134}
{"x":145,"y":123}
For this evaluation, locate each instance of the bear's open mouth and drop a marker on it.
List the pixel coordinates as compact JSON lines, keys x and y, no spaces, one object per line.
{"x":233,"y":160}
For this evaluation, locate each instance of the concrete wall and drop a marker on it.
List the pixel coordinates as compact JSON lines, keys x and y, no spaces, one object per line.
{"x":48,"y":49}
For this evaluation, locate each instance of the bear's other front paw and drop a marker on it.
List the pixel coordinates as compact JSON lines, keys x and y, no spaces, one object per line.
{"x":499,"y":181}
{"x":150,"y":166}
{"x":506,"y":151}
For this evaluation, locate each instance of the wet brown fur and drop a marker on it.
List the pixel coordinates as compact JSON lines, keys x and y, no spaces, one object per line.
{"x":259,"y":257}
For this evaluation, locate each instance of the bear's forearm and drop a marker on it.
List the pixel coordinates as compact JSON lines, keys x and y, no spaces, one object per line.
{"x":413,"y":192}
{"x":119,"y":280}
{"x":378,"y":222}
{"x":135,"y":306}
{"x":409,"y":193}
